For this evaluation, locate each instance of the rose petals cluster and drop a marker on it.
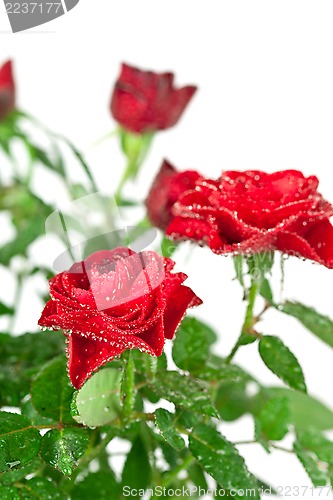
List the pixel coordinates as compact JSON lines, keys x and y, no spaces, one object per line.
{"x":143,"y":101}
{"x":116,"y":300}
{"x":250,"y":212}
{"x":7,"y":90}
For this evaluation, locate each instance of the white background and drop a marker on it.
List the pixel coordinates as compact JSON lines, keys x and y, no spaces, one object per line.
{"x":265,"y":101}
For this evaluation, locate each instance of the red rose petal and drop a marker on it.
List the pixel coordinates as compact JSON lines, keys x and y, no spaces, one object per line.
{"x":199,"y":230}
{"x":154,"y":337}
{"x":320,"y":237}
{"x":181,"y":299}
{"x":295,"y":245}
{"x":85,"y":356}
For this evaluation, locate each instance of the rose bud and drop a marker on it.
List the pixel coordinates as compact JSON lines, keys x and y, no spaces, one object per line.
{"x":7,"y":90}
{"x":253,"y":211}
{"x":143,"y":101}
{"x":116,"y":300}
{"x":166,"y":190}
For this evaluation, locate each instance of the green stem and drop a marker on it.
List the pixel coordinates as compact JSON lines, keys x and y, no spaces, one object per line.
{"x":135,"y":147}
{"x":130,"y":171}
{"x":150,"y":364}
{"x":81,"y":160}
{"x":128,"y":387}
{"x":253,"y":441}
{"x":249,"y":441}
{"x":249,"y":319}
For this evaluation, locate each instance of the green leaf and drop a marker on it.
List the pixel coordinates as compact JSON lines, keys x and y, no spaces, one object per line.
{"x":239,"y":268}
{"x":137,"y":472}
{"x":23,"y":205}
{"x":122,"y":202}
{"x":275,"y":419}
{"x":100,"y":485}
{"x":19,"y":442}
{"x":164,"y":420}
{"x":266,"y":290}
{"x":231,"y":399}
{"x":168,"y":247}
{"x":220,"y":459}
{"x":247,"y":338}
{"x":183,"y":391}
{"x":216,"y":369}
{"x":146,"y":367}
{"x":306,"y":412}
{"x":192,"y":344}
{"x":170,"y":455}
{"x":37,"y":154}
{"x":51,"y":391}
{"x":197,"y":476}
{"x":318,"y":444}
{"x":9,"y":493}
{"x":62,"y":449}
{"x":28,"y":214}
{"x":40,"y":488}
{"x":143,"y":360}
{"x":320,"y":325}
{"x":282,"y":362}
{"x":98,"y":402}
{"x":20,"y":359}
{"x":19,"y":474}
{"x":186,"y":418}
{"x":30,"y":349}
{"x":28,"y":410}
{"x":260,"y":264}
{"x":6,"y":310}
{"x":317,"y":476}
{"x":259,"y":437}
{"x":80,"y":158}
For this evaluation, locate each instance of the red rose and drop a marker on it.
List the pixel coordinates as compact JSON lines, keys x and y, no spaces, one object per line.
{"x":166,"y":190}
{"x":144,"y":101}
{"x":113,"y":301}
{"x":7,"y":90}
{"x":253,"y":211}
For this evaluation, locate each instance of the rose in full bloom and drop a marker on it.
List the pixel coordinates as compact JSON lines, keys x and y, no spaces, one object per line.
{"x":7,"y":90}
{"x":253,"y":211}
{"x":116,"y":300}
{"x":143,"y":101}
{"x":166,"y":190}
